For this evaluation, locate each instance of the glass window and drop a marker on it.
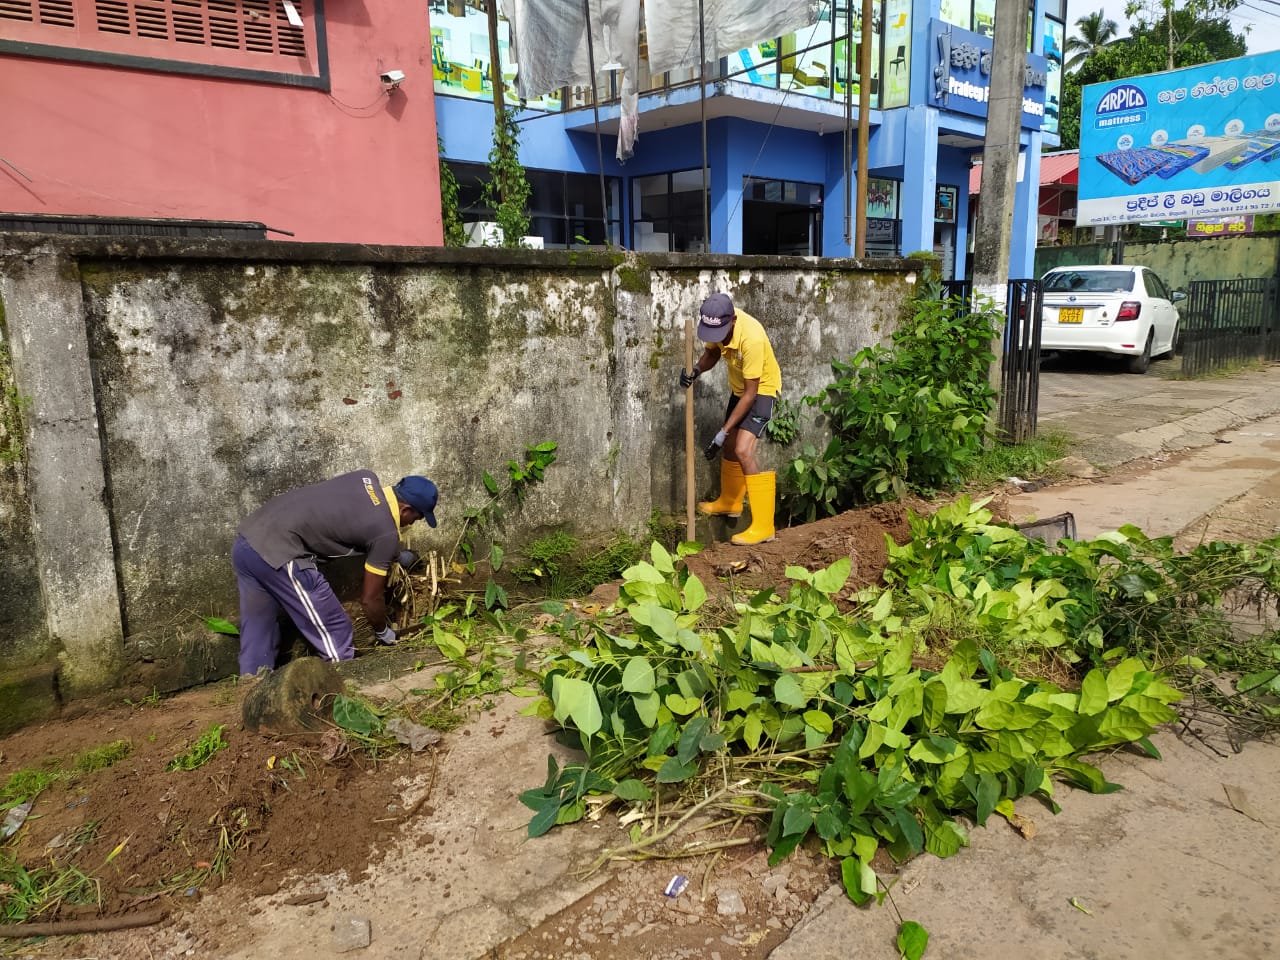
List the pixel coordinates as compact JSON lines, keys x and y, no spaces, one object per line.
{"x":882,"y":198}
{"x":1054,"y":40}
{"x":959,"y":12}
{"x":668,"y":212}
{"x":897,"y":44}
{"x":1089,"y":281}
{"x":564,"y":208}
{"x":944,"y":205}
{"x":984,"y":17}
{"x":460,"y":54}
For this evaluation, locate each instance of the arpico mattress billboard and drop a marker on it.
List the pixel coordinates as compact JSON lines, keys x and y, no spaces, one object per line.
{"x":1187,"y":144}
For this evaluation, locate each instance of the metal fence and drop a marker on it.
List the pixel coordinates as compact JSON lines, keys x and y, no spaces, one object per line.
{"x":1019,"y":400}
{"x":1020,"y":369}
{"x":1228,"y":322}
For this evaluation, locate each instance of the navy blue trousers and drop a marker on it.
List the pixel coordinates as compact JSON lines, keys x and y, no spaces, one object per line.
{"x":302,"y":592}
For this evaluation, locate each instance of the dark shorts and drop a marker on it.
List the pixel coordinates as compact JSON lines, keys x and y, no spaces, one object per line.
{"x":761,"y":413}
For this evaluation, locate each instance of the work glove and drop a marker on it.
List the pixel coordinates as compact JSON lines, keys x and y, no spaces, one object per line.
{"x":387,"y":636}
{"x":714,"y":446}
{"x":407,"y":559}
{"x":688,"y":376}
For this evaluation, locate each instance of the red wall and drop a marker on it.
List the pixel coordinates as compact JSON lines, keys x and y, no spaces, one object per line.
{"x":354,"y":165}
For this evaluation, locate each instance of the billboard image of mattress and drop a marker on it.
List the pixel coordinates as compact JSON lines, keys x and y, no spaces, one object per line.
{"x":1194,"y":143}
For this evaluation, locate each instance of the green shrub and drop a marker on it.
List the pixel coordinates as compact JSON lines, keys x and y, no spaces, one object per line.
{"x":904,"y":417}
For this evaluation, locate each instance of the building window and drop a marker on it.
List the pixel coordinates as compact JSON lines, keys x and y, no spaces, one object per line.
{"x":883,"y":224}
{"x":667,"y":212}
{"x":564,"y":208}
{"x":460,"y":54}
{"x":944,"y":206}
{"x":268,"y":40}
{"x":812,"y":61}
{"x":1054,"y":38}
{"x":781,"y":217}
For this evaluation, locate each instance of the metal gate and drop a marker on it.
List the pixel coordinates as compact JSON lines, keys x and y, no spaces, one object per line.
{"x":1230,"y":322}
{"x":1020,"y":368}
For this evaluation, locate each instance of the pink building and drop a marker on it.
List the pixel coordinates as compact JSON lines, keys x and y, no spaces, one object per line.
{"x":284,"y":112}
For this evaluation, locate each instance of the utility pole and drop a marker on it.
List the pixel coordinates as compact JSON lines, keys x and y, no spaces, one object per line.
{"x":1000,"y":167}
{"x":495,"y":65}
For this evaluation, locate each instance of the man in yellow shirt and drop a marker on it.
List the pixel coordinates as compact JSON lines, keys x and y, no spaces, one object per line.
{"x":755,"y":382}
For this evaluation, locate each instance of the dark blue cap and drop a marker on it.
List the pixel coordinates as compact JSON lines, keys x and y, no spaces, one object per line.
{"x":714,"y":317}
{"x":419,"y":493}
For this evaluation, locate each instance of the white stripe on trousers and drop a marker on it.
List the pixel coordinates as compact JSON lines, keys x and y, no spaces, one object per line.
{"x":316,"y":622}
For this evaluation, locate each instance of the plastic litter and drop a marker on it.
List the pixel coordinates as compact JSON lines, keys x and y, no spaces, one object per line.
{"x":14,"y":819}
{"x":676,"y":886}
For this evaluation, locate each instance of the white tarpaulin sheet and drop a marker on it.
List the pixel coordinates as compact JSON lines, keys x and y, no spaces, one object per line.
{"x":671,"y":27}
{"x":549,"y":43}
{"x":549,"y":40}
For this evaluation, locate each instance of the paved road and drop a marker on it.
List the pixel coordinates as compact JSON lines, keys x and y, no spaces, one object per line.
{"x":1119,"y":417}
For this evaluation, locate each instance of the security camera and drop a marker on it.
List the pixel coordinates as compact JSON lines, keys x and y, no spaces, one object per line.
{"x":391,"y":78}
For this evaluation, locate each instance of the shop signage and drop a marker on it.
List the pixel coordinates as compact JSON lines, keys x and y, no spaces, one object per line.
{"x":1220,"y":226}
{"x":962,"y":74}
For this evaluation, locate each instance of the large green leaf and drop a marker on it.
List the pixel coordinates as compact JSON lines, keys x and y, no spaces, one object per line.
{"x":658,"y":619}
{"x":1093,"y":693}
{"x":638,"y":676}
{"x":944,"y":839}
{"x":353,"y":715}
{"x":786,"y":690}
{"x":647,"y":705}
{"x":832,"y":580}
{"x":913,"y":940}
{"x":858,"y":879}
{"x":695,"y":594}
{"x":575,"y":700}
{"x":673,"y":771}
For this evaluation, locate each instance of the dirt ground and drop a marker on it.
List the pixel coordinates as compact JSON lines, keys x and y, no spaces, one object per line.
{"x":261,"y":814}
{"x":274,"y":848}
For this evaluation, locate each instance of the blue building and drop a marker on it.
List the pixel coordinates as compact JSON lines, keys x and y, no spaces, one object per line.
{"x":779,"y":165}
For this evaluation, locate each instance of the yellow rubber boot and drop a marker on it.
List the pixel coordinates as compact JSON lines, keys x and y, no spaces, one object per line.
{"x":761,"y":491}
{"x":732,"y":487}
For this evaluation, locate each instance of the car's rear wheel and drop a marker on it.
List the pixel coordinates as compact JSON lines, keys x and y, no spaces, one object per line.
{"x":1140,"y":363}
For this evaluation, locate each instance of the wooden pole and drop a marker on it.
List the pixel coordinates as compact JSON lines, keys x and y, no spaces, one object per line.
{"x":864,"y":131}
{"x":690,"y":491}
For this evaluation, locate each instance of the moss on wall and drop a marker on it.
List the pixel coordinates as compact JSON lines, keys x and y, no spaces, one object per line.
{"x":223,"y":381}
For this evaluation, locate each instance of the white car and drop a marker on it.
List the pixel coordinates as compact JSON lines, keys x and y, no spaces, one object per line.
{"x":1117,"y":309}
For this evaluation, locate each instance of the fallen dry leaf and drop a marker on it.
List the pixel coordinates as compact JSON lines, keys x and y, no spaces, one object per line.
{"x":1240,"y":802}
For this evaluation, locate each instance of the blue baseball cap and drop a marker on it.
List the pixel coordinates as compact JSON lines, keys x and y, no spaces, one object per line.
{"x":419,"y":493}
{"x":715,"y":317}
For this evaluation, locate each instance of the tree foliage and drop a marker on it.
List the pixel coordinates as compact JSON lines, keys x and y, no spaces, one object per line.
{"x":1096,"y":31}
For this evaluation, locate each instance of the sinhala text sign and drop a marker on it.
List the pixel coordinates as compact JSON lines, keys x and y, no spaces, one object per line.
{"x":1186,"y":144}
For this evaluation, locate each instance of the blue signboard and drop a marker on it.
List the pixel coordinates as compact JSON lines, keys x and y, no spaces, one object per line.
{"x":960,"y":61}
{"x":1187,"y":144}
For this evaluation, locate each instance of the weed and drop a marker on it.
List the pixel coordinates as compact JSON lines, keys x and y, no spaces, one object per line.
{"x":99,"y":758}
{"x":209,"y":743}
{"x":32,"y":892}
{"x":150,"y":700}
{"x":784,"y":426}
{"x":84,"y":835}
{"x":1031,"y":460}
{"x":605,"y":564}
{"x":549,"y":563}
{"x":27,"y":784}
{"x":663,"y":529}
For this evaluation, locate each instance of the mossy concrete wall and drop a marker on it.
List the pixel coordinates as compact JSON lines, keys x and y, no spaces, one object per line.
{"x":1178,"y":262}
{"x":223,"y":374}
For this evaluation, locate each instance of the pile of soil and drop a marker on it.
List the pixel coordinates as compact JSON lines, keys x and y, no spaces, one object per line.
{"x":267,"y":809}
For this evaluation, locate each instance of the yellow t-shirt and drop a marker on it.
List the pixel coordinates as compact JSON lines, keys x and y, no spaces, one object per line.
{"x":749,"y":356}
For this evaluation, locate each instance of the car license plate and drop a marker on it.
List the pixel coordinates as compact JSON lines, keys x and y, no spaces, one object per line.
{"x":1071,"y":315}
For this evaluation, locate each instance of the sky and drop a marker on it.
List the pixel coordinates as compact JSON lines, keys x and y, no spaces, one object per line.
{"x":1262,"y":15}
